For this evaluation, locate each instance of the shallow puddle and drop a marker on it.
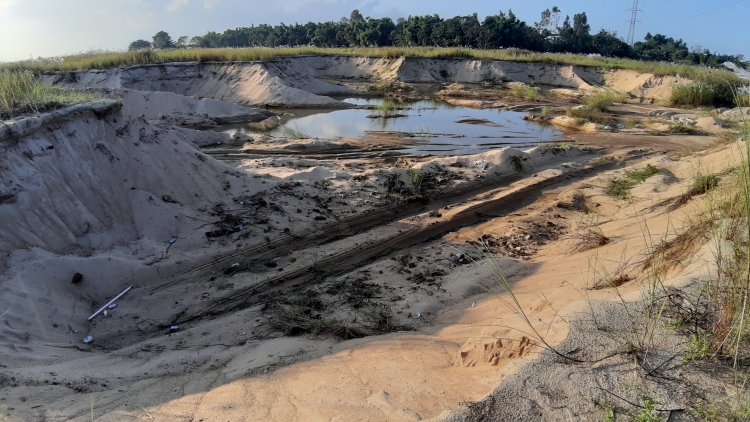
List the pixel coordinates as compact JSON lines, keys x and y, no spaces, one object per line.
{"x":435,"y":127}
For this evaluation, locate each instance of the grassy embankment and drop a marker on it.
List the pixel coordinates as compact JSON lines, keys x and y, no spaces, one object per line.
{"x":22,"y":92}
{"x":710,"y":87}
{"x":109,"y":60}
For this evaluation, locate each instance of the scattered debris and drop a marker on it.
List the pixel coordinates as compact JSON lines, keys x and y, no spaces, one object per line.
{"x":109,"y":303}
{"x":88,"y":339}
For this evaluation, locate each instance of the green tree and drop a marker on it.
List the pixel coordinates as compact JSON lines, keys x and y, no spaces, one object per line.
{"x":162,"y":40}
{"x":139,"y":45}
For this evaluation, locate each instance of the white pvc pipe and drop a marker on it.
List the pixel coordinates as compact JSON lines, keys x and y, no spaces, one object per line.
{"x":109,"y":303}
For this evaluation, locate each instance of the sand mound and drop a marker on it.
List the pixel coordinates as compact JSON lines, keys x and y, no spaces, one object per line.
{"x":88,"y":189}
{"x":167,"y":106}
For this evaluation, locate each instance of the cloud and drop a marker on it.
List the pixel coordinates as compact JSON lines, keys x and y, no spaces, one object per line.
{"x":210,"y":4}
{"x":176,"y":5}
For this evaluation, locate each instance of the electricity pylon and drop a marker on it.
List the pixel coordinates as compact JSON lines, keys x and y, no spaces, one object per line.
{"x":633,"y":21}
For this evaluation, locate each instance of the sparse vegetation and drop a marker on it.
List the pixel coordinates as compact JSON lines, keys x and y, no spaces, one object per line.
{"x":22,"y":92}
{"x":601,"y":100}
{"x":294,"y":132}
{"x":516,"y":162}
{"x":641,"y":174}
{"x":708,"y":88}
{"x":525,"y":92}
{"x":111,"y":59}
{"x":683,"y":129}
{"x":648,"y":411}
{"x":585,"y":114}
{"x":697,"y":348}
{"x":620,"y":188}
{"x":417,"y":177}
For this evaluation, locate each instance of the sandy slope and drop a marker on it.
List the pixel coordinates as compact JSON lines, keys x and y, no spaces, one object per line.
{"x":306,"y":81}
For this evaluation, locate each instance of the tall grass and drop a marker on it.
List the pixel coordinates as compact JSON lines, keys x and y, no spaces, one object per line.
{"x":294,"y":132}
{"x":603,"y":99}
{"x":106,"y":60}
{"x":22,"y":92}
{"x":525,"y":92}
{"x":708,"y":88}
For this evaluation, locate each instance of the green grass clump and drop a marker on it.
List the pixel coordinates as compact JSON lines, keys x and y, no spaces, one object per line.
{"x":620,"y":188}
{"x":692,"y":95}
{"x":294,"y":132}
{"x":680,"y":129}
{"x":526,"y":92}
{"x":22,"y":92}
{"x":709,"y":88}
{"x":583,"y":115}
{"x":603,"y":99}
{"x":704,"y":183}
{"x":641,"y":174}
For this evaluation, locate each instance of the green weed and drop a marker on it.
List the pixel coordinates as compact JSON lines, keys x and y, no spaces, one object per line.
{"x":697,"y":348}
{"x":416,"y":179}
{"x":648,"y":412}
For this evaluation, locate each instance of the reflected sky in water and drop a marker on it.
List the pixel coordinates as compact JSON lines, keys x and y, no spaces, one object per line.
{"x":433,"y":123}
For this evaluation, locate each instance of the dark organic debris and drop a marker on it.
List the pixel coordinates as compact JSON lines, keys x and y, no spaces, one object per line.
{"x":77,"y":278}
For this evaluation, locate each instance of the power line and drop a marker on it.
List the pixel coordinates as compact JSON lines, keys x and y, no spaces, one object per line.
{"x":700,"y":14}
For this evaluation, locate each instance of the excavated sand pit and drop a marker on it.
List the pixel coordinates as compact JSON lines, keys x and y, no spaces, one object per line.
{"x":336,"y":277}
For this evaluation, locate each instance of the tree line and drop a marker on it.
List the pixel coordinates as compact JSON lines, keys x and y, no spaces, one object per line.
{"x":551,"y":34}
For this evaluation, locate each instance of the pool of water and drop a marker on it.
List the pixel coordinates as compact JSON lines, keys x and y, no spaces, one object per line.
{"x":435,"y":127}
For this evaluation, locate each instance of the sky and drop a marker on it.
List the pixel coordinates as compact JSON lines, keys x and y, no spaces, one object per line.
{"x":46,"y":28}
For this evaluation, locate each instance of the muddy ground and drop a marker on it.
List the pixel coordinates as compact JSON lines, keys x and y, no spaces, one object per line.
{"x":309,"y":279}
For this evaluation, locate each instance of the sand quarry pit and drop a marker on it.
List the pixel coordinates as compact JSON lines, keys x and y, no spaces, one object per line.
{"x":300,"y":249}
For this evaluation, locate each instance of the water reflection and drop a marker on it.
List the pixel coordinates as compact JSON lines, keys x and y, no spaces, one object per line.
{"x":439,"y":128}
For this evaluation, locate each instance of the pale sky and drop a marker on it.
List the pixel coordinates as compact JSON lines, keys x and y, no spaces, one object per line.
{"x":44,"y":28}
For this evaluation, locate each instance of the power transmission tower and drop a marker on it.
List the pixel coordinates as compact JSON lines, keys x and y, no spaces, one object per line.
{"x":633,"y":21}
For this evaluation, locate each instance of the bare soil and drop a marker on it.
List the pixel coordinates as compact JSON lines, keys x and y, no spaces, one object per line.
{"x":311,"y":279}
